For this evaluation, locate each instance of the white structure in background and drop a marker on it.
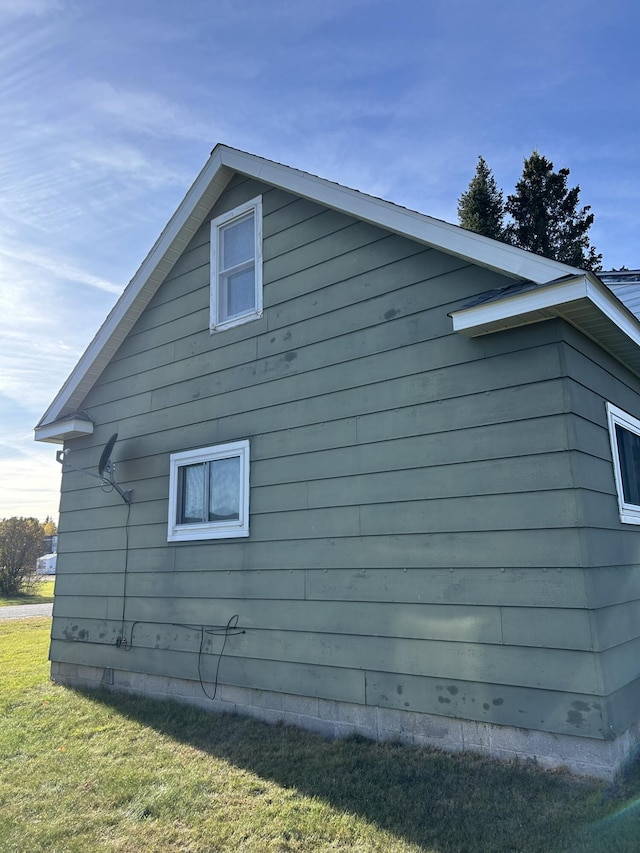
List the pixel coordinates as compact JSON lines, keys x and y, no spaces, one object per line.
{"x":46,"y":565}
{"x":626,"y":286}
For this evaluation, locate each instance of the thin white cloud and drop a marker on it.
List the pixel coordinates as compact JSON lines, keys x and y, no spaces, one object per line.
{"x":59,"y":268}
{"x":45,"y":323}
{"x":30,"y":484}
{"x":127,"y":161}
{"x":12,"y":9}
{"x":143,"y":112}
{"x":23,"y":379}
{"x":285,"y":14}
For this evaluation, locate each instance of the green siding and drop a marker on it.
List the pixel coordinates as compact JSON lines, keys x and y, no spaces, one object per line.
{"x":612,"y":549}
{"x":418,"y":499}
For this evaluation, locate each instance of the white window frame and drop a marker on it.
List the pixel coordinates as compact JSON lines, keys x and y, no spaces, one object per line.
{"x":209,"y":529}
{"x":217,"y":321}
{"x":629,"y":513}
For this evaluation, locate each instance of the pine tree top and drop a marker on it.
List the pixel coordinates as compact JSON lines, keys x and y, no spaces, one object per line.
{"x":546,"y":217}
{"x":481,"y":207}
{"x":544,"y":214}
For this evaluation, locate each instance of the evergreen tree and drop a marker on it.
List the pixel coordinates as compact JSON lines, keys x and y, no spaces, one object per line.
{"x":546,"y":218}
{"x":481,"y":207}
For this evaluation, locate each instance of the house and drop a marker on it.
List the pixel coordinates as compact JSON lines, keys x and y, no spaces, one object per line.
{"x":374,"y":473}
{"x":626,"y":286}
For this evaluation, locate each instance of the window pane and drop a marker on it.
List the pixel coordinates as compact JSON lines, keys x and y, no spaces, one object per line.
{"x":191,"y":494}
{"x":629,"y":454}
{"x":240,"y":291}
{"x":238,"y":243}
{"x":224,"y":489}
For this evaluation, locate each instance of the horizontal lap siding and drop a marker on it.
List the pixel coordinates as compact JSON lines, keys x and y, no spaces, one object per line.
{"x":414,"y":537}
{"x":612,"y":549}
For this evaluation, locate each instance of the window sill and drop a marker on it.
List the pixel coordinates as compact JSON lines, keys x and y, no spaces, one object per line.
{"x":202,"y":533}
{"x":235,"y":321}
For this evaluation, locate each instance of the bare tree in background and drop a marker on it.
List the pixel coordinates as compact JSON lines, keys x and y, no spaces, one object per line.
{"x":20,"y":547}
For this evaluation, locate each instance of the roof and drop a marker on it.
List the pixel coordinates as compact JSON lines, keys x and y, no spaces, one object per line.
{"x":582,"y":300}
{"x":59,"y":422}
{"x":626,"y":286}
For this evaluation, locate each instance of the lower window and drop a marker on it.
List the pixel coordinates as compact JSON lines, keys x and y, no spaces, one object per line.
{"x":209,"y":493}
{"x":624,"y":432}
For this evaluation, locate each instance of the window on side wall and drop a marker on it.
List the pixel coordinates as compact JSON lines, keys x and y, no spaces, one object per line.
{"x":624,"y":433}
{"x":209,"y":493}
{"x":236,"y":266}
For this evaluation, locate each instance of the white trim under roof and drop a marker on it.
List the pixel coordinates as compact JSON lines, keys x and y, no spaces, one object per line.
{"x":58,"y":432}
{"x":435,"y":233}
{"x":581,"y":300}
{"x":197,"y":204}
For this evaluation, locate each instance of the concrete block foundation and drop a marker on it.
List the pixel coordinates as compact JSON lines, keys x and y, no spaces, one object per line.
{"x":334,"y":719}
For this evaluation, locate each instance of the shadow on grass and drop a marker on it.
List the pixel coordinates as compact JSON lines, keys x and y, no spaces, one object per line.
{"x":19,"y":600}
{"x":439,"y":802}
{"x":40,"y":592}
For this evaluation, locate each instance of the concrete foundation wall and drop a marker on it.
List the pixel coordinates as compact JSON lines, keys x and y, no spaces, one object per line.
{"x":334,"y":719}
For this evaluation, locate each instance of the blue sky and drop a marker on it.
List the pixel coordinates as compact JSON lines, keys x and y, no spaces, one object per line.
{"x":109,"y":108}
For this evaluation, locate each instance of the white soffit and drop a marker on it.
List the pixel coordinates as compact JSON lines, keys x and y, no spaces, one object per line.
{"x":582,"y":301}
{"x":58,"y":432}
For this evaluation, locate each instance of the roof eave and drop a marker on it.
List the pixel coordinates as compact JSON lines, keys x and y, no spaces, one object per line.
{"x":582,"y":300}
{"x":61,"y":431}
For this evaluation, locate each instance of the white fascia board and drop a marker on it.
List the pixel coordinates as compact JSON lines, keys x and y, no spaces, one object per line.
{"x":466,"y":320}
{"x":408,"y":223}
{"x":474,"y":320}
{"x":58,"y":432}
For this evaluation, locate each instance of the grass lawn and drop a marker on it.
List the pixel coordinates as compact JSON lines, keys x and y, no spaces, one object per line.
{"x":42,"y":594}
{"x":105,"y":772}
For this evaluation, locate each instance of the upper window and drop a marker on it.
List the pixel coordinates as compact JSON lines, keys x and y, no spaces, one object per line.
{"x":209,"y":493}
{"x":624,"y":432}
{"x":236,"y":266}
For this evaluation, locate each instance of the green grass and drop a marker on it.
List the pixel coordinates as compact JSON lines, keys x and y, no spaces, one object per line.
{"x":42,"y":593}
{"x":107,"y":772}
